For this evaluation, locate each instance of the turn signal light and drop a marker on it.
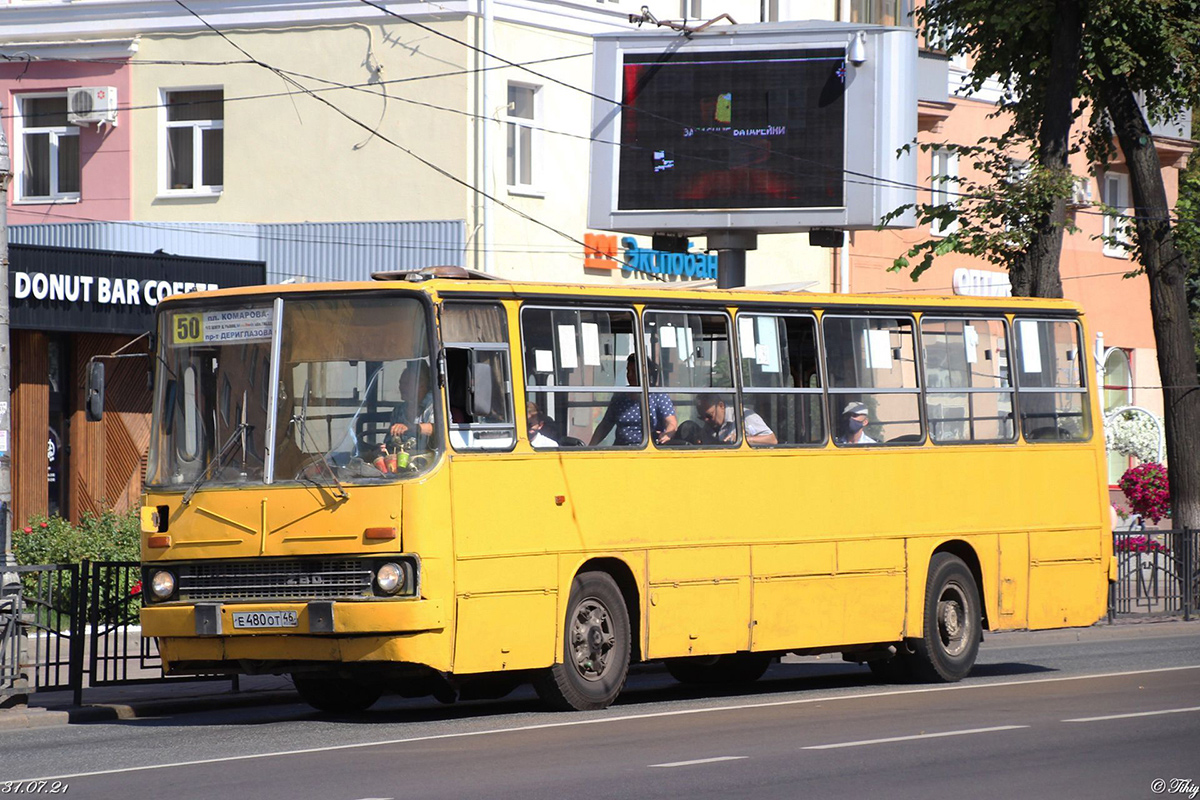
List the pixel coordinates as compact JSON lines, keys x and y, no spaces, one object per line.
{"x":161,"y":540}
{"x":380,"y":534}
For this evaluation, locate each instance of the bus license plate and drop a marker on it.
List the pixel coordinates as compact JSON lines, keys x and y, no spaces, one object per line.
{"x":265,"y":619}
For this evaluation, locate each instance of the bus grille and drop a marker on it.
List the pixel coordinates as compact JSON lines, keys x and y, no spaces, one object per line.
{"x":320,"y":579}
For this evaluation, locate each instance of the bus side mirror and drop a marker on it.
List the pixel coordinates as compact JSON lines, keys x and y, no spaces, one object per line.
{"x":95,"y":392}
{"x":481,"y":389}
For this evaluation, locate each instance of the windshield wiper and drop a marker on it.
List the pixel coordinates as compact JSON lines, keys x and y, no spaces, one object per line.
{"x":301,"y":422}
{"x":218,"y":461}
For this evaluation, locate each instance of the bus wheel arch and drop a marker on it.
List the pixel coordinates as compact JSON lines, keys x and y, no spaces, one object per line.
{"x":594,"y":662}
{"x":952,"y":630}
{"x":966,"y":553}
{"x":620,"y":572}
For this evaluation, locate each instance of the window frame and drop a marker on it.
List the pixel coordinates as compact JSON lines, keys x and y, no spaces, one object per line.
{"x":734,"y":369}
{"x":534,"y":187}
{"x":1116,"y":225}
{"x":743,"y":390}
{"x":1084,"y":388}
{"x":1011,"y":391}
{"x":198,"y":189}
{"x":20,"y":156}
{"x":941,"y":190}
{"x":639,"y":351}
{"x":918,"y":355}
{"x":490,"y":347}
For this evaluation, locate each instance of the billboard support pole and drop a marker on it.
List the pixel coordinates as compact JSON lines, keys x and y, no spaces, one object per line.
{"x":731,"y":247}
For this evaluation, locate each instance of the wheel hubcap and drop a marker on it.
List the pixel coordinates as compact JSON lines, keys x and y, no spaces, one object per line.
{"x":953,"y":620}
{"x":592,"y":639}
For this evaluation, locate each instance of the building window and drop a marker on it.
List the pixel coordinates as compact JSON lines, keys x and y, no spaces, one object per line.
{"x":882,"y":12}
{"x":1116,"y":221}
{"x":194,"y":141}
{"x":47,"y":151}
{"x":944,"y":186}
{"x":522,"y":116}
{"x":1118,"y":392}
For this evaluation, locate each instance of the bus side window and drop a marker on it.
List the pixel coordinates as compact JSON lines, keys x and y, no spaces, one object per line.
{"x":968,"y":391}
{"x":781,"y":378}
{"x":580,"y":388}
{"x":691,"y":378}
{"x":874,"y":394}
{"x":478,"y":378}
{"x":1051,"y":387}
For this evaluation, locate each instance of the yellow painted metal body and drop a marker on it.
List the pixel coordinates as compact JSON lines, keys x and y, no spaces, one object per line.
{"x":768,"y":550}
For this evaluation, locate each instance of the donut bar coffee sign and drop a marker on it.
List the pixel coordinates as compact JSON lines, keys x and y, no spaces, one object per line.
{"x":60,"y":289}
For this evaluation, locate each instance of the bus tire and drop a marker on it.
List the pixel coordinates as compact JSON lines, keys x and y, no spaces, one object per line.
{"x":336,"y":694}
{"x":596,"y":647}
{"x":732,"y":668}
{"x":946,"y":652}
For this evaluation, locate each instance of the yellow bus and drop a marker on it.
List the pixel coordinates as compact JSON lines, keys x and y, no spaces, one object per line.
{"x":435,"y":484}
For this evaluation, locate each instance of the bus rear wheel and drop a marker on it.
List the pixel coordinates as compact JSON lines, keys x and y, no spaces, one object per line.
{"x":732,"y":668}
{"x":336,"y":694}
{"x":953,"y":623}
{"x":596,"y":647}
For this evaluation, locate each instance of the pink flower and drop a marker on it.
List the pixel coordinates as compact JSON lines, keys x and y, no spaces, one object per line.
{"x":28,"y":529}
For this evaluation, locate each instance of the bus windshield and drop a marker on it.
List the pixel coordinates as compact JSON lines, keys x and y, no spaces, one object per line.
{"x":353,"y":401}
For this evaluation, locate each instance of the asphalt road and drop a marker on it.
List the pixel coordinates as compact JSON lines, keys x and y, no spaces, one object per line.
{"x":1097,"y":713}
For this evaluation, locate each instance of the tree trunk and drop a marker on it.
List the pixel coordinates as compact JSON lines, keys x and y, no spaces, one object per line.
{"x":1167,"y":268}
{"x":1036,"y":273}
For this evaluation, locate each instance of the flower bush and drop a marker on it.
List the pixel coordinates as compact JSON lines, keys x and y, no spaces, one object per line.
{"x":1148,"y":491}
{"x":108,"y":536}
{"x":1139,"y":544}
{"x":1132,"y":433}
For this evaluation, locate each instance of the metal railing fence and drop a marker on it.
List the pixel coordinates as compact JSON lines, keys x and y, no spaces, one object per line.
{"x":1158,"y":573}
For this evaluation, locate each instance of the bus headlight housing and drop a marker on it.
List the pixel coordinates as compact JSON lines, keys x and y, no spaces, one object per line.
{"x":390,"y":578}
{"x":162,"y":584}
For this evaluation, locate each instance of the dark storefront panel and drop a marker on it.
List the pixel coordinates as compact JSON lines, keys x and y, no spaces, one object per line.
{"x":57,"y":289}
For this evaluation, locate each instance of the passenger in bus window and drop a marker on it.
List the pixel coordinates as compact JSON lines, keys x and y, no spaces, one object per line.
{"x":723,"y":425}
{"x":625,"y":412}
{"x":538,"y":426}
{"x":854,"y":425}
{"x":413,"y":417}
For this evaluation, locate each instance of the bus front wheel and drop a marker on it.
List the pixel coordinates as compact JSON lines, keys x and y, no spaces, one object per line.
{"x":336,"y":694}
{"x":596,"y":646}
{"x":953,"y":623}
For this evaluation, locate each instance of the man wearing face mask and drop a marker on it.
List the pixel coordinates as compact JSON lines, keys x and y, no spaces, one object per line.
{"x":854,"y":425}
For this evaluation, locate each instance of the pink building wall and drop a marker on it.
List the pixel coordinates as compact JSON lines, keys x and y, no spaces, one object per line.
{"x":104,"y":157}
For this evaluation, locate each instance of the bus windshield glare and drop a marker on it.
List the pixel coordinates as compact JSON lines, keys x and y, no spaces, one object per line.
{"x":352,"y":400}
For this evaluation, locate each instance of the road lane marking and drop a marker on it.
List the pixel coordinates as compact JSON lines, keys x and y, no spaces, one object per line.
{"x":1135,"y":714}
{"x":622,"y":718}
{"x":890,"y":739}
{"x":699,"y":761}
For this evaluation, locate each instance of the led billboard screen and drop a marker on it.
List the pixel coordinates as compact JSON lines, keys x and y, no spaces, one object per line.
{"x":732,"y":129}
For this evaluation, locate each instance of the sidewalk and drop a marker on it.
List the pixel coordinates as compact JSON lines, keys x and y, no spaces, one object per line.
{"x":106,"y":703}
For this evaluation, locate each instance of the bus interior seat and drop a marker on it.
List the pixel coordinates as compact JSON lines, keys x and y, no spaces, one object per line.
{"x":570,"y":441}
{"x":908,"y":438}
{"x":1048,"y":433}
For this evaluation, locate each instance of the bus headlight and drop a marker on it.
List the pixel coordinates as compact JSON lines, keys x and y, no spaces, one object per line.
{"x":390,"y":578}
{"x":162,"y":584}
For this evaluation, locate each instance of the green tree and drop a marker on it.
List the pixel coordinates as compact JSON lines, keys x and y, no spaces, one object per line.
{"x":1111,"y":62}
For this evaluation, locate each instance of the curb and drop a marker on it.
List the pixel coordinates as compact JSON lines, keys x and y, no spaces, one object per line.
{"x":36,"y":717}
{"x":24,"y":718}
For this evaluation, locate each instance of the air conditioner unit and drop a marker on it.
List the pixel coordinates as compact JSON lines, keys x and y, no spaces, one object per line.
{"x":1081,"y":193}
{"x":88,"y":104}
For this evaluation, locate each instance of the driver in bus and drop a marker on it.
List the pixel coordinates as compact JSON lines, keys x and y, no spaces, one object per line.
{"x":412,"y":418}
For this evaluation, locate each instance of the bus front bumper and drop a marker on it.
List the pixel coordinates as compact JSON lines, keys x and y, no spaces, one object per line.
{"x":314,"y":618}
